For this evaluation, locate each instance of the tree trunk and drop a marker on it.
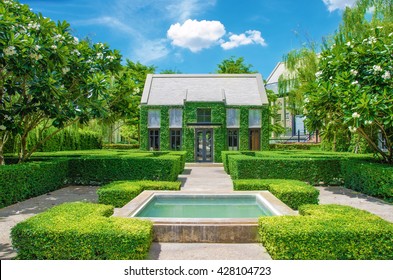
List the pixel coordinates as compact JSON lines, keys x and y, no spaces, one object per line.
{"x":3,"y":139}
{"x":23,"y":148}
{"x":334,"y":141}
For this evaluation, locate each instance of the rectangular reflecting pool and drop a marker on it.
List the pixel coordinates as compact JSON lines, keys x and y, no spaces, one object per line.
{"x":230,"y":217}
{"x":205,"y":206}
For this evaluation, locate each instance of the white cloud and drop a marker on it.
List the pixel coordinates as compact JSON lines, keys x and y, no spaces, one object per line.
{"x":196,"y":35}
{"x":247,"y":38}
{"x":333,"y":5}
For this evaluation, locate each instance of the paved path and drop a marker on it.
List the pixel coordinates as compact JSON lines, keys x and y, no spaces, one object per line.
{"x":195,"y":178}
{"x":13,"y":214}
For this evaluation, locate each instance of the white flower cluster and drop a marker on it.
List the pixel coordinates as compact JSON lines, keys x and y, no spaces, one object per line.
{"x":37,"y":47}
{"x":8,"y":51}
{"x":349,"y":44}
{"x":8,"y":118}
{"x":318,"y":74}
{"x":33,"y":25}
{"x":3,"y":127}
{"x":111,"y":58}
{"x":58,"y":38}
{"x":36,"y":56}
{"x":354,"y":72}
{"x":386,"y":75}
{"x":65,"y":70}
{"x":352,"y":129}
{"x":53,"y":47}
{"x":368,"y":122}
{"x":100,"y":56}
{"x":8,"y":2}
{"x":76,"y":41}
{"x":356,"y":115}
{"x":355,"y":83}
{"x":371,"y":40}
{"x":377,"y":68}
{"x":100,"y":45}
{"x":75,"y":52}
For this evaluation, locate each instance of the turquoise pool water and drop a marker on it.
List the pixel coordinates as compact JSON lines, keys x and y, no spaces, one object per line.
{"x":204,"y":206}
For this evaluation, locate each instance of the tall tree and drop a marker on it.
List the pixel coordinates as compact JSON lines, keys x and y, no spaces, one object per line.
{"x":354,"y":83}
{"x":234,"y":65}
{"x":48,"y":78}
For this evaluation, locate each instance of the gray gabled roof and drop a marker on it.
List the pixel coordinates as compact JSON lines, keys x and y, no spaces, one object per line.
{"x":232,"y":89}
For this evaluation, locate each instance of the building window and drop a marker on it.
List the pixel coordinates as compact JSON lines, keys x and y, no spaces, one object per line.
{"x":154,"y":119}
{"x":175,"y":135}
{"x":154,"y":139}
{"x":233,"y":139}
{"x":175,"y":118}
{"x":254,"y":118}
{"x":233,"y":118}
{"x":204,"y":115}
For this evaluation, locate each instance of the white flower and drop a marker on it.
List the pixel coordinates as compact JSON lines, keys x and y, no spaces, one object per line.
{"x":100,"y":55}
{"x":37,"y":47}
{"x":354,"y":83}
{"x":3,"y":127}
{"x":348,"y":44}
{"x":58,"y":37}
{"x":386,"y":75}
{"x":318,"y":74}
{"x":379,"y":27}
{"x":354,"y":72}
{"x":76,"y":52}
{"x":352,"y":129}
{"x":54,"y":47}
{"x":36,"y":56}
{"x":372,"y":40}
{"x":368,"y":122}
{"x":377,"y":68}
{"x":33,"y":25}
{"x":355,"y":115}
{"x":8,"y":51}
{"x":110,"y":57}
{"x":65,"y":70}
{"x":76,"y":41}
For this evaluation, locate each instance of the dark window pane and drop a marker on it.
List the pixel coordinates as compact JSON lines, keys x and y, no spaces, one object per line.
{"x":204,"y":115}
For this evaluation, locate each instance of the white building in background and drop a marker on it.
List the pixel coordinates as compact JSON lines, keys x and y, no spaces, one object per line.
{"x":293,"y":125}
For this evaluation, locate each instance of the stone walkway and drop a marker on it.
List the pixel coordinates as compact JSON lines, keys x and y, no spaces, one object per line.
{"x":196,"y":177}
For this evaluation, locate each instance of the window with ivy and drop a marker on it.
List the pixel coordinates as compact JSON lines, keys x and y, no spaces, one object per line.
{"x":204,"y":115}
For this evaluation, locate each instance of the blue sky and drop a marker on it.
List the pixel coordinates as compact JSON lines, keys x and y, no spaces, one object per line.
{"x":193,"y":36}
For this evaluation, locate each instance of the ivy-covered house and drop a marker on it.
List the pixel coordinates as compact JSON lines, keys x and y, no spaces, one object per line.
{"x":204,"y":114}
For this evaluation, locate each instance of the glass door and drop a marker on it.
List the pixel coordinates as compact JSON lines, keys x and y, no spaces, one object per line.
{"x":204,"y":145}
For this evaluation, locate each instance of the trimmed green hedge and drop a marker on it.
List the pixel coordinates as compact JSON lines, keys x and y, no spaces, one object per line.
{"x":291,"y":192}
{"x":327,"y":232}
{"x":312,"y":170}
{"x":22,"y":181}
{"x":369,"y":178}
{"x":295,"y":146}
{"x":120,"y":193}
{"x":102,"y":170}
{"x":120,"y":146}
{"x":81,"y":231}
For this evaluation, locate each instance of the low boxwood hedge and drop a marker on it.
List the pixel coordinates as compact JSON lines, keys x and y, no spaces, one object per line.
{"x":312,"y":170}
{"x":370,"y":178}
{"x":81,"y":231}
{"x":102,"y":170}
{"x":327,"y":232}
{"x":119,"y":193}
{"x":292,"y":192}
{"x":22,"y":181}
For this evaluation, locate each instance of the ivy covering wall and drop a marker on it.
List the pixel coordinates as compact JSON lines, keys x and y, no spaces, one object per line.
{"x":218,"y":115}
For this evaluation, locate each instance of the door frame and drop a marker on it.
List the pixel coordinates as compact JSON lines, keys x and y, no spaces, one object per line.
{"x":196,"y":143}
